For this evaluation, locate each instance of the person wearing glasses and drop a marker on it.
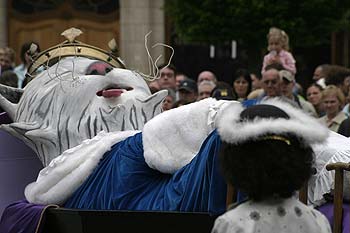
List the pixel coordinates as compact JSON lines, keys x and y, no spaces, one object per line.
{"x":271,"y":84}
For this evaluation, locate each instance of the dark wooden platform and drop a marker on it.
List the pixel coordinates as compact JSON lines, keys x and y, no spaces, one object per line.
{"x":86,"y":221}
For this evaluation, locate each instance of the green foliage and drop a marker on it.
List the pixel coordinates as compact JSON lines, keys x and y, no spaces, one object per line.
{"x":307,"y":22}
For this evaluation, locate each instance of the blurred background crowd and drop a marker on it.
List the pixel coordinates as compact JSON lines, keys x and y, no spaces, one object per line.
{"x":235,"y":50}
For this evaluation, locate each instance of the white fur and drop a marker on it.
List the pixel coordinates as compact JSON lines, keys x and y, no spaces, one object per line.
{"x":336,"y":149}
{"x":170,"y":141}
{"x":173,"y":138}
{"x":231,"y":130}
{"x":63,"y":176}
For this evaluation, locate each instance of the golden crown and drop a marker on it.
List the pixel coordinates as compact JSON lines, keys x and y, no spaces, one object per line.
{"x":72,"y":47}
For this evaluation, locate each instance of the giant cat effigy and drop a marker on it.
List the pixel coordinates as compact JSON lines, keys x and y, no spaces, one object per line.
{"x":85,"y":107}
{"x":105,"y":144}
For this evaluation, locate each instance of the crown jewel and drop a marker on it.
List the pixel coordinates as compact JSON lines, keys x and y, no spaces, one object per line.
{"x":72,"y":47}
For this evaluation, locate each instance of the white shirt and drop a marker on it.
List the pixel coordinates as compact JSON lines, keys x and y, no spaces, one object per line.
{"x":272,"y":216}
{"x":20,"y":71}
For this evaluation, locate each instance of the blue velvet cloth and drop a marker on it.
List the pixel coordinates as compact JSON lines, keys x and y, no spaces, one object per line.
{"x":251,"y":102}
{"x":123,"y":181}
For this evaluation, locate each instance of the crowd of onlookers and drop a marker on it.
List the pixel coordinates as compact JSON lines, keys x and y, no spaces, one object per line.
{"x":15,"y":75}
{"x":326,"y":99}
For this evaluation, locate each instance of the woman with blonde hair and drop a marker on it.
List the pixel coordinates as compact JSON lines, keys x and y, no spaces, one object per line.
{"x":333,"y":101}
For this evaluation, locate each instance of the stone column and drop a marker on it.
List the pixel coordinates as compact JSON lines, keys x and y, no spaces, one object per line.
{"x":137,"y":18}
{"x":3,"y":23}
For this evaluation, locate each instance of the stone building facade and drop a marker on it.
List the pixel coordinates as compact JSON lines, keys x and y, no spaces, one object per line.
{"x":135,"y":19}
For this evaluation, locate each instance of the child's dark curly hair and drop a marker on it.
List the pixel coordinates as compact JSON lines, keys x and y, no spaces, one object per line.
{"x":267,"y":167}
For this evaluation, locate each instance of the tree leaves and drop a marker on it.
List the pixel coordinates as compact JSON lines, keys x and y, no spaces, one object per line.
{"x":307,"y":22}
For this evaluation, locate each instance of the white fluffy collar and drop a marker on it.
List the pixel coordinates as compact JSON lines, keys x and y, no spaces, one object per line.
{"x":63,"y":176}
{"x":173,"y":138}
{"x":231,"y":130}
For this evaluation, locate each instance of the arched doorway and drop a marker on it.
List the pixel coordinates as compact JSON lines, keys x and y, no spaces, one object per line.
{"x":43,"y":21}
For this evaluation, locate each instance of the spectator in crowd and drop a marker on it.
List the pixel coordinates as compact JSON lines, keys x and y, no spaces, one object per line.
{"x":338,"y":76}
{"x":333,"y":100}
{"x":169,"y":100}
{"x":287,"y":87}
{"x":205,"y":88}
{"x":7,"y":58}
{"x":346,"y":108}
{"x":179,"y":78}
{"x":314,"y":96}
{"x":271,"y":75}
{"x":167,"y":76}
{"x":298,"y":89}
{"x":206,"y":75}
{"x":223,"y":91}
{"x":21,"y":69}
{"x":154,"y":86}
{"x":257,"y":90}
{"x":188,"y":91}
{"x":269,"y":163}
{"x":242,"y":84}
{"x":320,"y":74}
{"x":8,"y":78}
{"x":179,"y":103}
{"x":271,"y":83}
{"x":278,"y":46}
{"x":344,"y":127}
{"x":255,"y":81}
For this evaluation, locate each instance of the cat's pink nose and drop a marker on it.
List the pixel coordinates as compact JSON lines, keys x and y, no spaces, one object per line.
{"x":98,"y":68}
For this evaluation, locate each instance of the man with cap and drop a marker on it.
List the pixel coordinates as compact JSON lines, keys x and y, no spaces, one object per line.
{"x":188,"y":91}
{"x":287,"y":86}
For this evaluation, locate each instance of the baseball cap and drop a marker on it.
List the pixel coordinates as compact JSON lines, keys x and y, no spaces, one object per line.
{"x":223,"y":93}
{"x":188,"y":85}
{"x":287,"y":75}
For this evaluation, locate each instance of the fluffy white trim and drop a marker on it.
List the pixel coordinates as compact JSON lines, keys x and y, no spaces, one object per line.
{"x":304,"y":126}
{"x":63,"y":176}
{"x":173,"y":138}
{"x":336,"y":149}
